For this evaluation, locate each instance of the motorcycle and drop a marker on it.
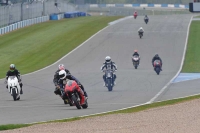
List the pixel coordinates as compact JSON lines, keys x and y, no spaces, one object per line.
{"x":157,"y":66}
{"x":146,"y":20}
{"x":140,"y":34}
{"x":14,"y":87}
{"x":135,"y":16}
{"x":74,"y":98}
{"x":109,"y":73}
{"x":135,"y":60}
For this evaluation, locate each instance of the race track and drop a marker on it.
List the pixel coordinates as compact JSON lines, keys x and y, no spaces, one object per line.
{"x":164,"y":35}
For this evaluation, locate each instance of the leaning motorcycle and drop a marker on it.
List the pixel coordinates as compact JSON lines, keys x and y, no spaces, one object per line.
{"x":74,"y":98}
{"x":109,"y":73}
{"x":157,"y":66}
{"x":14,"y":87}
{"x":135,"y":60}
{"x":60,"y":91}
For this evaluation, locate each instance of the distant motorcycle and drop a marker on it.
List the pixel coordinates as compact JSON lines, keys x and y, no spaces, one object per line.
{"x":146,"y":20}
{"x":74,"y":98}
{"x":135,"y":60}
{"x":140,"y":34}
{"x":109,"y":79}
{"x":135,"y":16}
{"x":157,"y":66}
{"x":14,"y":87}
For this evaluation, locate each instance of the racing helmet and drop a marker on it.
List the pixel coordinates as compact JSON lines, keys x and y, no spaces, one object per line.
{"x":61,"y":67}
{"x":135,"y":51}
{"x":12,"y":67}
{"x":156,"y":55}
{"x":62,"y":74}
{"x":107,"y":59}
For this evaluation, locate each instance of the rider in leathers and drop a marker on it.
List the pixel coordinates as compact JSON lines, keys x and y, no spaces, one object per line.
{"x":137,"y":54}
{"x":140,"y":31}
{"x":146,"y":18}
{"x":108,"y":63}
{"x":156,"y":57}
{"x":14,"y":72}
{"x":58,"y":81}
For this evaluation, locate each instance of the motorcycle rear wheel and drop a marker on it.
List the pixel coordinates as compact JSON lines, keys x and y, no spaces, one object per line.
{"x":84,"y":106}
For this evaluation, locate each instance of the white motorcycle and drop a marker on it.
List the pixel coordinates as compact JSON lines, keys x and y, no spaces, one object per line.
{"x":14,"y":87}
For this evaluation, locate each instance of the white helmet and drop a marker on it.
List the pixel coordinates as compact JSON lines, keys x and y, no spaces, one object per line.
{"x":62,"y":74}
{"x":107,"y":59}
{"x":141,"y":28}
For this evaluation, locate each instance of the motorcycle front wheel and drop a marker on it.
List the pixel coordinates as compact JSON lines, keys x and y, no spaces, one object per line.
{"x":76,"y":102}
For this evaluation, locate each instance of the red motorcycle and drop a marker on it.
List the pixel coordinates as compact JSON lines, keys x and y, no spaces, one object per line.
{"x":75,"y":95}
{"x":157,"y":66}
{"x":135,"y":16}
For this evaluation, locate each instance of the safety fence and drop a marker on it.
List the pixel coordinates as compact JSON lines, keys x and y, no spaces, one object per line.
{"x":22,"y":24}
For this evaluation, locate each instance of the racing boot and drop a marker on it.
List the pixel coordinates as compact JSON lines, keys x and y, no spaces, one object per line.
{"x":21,"y":91}
{"x":85,"y":94}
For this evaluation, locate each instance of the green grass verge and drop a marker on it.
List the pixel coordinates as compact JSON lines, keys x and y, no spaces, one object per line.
{"x":192,"y":58}
{"x":37,"y":46}
{"x":130,"y":110}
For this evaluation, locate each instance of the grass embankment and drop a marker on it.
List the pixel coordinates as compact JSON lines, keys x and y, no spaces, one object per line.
{"x":192,"y":58}
{"x":37,"y":46}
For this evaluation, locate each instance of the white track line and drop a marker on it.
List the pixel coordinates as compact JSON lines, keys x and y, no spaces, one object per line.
{"x":183,"y":58}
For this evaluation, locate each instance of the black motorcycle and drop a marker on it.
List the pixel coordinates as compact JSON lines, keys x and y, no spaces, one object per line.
{"x":157,"y":66}
{"x":135,"y":60}
{"x":140,"y":34}
{"x":109,"y":79}
{"x":146,"y":20}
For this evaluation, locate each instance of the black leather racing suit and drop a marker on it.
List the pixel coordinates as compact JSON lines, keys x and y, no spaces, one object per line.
{"x":156,"y":58}
{"x":58,"y":81}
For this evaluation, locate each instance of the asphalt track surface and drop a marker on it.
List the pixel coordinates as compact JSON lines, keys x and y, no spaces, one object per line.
{"x":164,"y":35}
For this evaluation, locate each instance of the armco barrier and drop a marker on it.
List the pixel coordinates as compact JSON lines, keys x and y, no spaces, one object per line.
{"x":140,"y":5}
{"x":22,"y":24}
{"x":74,"y":14}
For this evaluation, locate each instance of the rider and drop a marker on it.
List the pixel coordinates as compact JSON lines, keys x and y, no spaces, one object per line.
{"x":146,"y":17}
{"x":56,"y":78}
{"x":156,"y":57}
{"x":141,"y":30}
{"x":14,"y":72}
{"x":108,"y":63}
{"x":137,"y":54}
{"x":135,"y":13}
{"x":63,"y":75}
{"x":71,"y":84}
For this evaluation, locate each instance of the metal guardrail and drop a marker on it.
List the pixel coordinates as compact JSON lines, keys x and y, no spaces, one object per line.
{"x":22,"y":24}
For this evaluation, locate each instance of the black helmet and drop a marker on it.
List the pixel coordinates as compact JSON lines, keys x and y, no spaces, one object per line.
{"x":156,"y":55}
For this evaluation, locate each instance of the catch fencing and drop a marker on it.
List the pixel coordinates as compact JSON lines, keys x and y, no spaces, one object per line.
{"x":14,"y":13}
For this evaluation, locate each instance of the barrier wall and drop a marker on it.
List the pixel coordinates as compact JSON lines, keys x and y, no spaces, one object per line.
{"x":141,"y":5}
{"x":22,"y":24}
